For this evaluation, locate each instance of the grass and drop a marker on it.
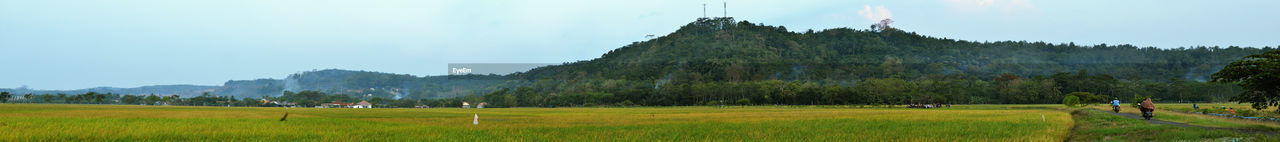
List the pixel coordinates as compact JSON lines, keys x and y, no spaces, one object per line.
{"x":1198,"y":119}
{"x":1241,"y":109}
{"x":43,"y":122}
{"x":1100,"y":126}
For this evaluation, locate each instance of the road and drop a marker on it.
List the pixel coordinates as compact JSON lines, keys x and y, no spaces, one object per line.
{"x":1179,"y":124}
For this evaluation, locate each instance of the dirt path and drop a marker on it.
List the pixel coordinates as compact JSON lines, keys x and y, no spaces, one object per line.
{"x":1179,"y":124}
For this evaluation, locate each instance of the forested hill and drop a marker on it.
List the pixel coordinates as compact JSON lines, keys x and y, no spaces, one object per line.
{"x":719,"y":60}
{"x":722,"y":49}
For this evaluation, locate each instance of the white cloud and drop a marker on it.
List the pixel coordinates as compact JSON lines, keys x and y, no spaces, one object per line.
{"x":875,"y":14}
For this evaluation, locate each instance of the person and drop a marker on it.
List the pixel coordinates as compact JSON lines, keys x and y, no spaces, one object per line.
{"x":1115,"y":104}
{"x":1148,"y":109}
{"x":1233,"y":111}
{"x":1194,"y":106}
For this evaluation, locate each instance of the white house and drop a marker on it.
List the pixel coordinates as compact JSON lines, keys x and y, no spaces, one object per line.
{"x":363,"y":104}
{"x":466,"y":105}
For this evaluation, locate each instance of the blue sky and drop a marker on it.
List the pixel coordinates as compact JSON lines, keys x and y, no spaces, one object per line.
{"x":66,"y":44}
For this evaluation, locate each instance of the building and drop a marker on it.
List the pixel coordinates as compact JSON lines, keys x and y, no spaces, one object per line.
{"x":480,"y":105}
{"x":466,"y":105}
{"x":363,"y":104}
{"x":335,"y":104}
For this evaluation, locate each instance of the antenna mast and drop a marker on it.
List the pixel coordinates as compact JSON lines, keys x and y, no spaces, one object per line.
{"x":704,"y":10}
{"x":726,"y":9}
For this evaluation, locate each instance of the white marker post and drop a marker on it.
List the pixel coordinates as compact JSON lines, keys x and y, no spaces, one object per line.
{"x":476,"y":121}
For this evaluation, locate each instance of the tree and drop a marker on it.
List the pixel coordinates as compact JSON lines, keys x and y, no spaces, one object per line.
{"x":4,"y":97}
{"x":100,"y":98}
{"x":1071,"y":101}
{"x":152,"y":99}
{"x":47,"y":98}
{"x":1259,"y":74}
{"x":1086,"y":98}
{"x":63,"y":97}
{"x":130,"y":99}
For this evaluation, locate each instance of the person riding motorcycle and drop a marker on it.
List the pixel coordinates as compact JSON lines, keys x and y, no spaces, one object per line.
{"x":1148,"y":109}
{"x":1115,"y":104}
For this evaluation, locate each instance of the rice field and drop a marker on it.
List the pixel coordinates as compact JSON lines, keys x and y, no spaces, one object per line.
{"x":51,"y":122}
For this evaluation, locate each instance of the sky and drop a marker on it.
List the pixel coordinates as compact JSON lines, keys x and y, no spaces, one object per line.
{"x":74,"y":44}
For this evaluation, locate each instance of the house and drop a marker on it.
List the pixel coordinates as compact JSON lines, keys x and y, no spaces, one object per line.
{"x":335,"y":104}
{"x":363,"y":104}
{"x":466,"y":105}
{"x":480,"y":105}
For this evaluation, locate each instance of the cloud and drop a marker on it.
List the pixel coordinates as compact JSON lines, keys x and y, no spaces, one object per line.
{"x":875,"y":14}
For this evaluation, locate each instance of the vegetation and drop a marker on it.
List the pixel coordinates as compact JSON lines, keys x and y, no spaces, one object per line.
{"x":1071,"y":101}
{"x":28,"y":122}
{"x":771,"y":65}
{"x":1184,"y":113}
{"x":1100,"y":126}
{"x":1259,"y":74}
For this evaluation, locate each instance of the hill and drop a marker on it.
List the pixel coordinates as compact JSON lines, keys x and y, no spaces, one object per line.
{"x":721,"y":49}
{"x":724,"y":61}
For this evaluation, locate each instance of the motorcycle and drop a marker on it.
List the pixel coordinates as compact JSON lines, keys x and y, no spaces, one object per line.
{"x":1115,"y":108}
{"x":1147,"y":115}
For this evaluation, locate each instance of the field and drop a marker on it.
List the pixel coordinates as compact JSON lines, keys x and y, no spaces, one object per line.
{"x":41,"y":122}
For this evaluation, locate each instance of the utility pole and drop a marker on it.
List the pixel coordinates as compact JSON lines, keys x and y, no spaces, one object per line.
{"x":726,"y":9}
{"x":704,"y":10}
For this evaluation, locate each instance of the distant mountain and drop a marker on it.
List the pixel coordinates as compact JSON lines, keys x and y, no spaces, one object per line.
{"x":362,"y":83}
{"x":180,"y":90}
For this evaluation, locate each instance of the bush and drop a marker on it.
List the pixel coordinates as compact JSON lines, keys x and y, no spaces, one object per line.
{"x":1071,"y":101}
{"x":626,"y":103}
{"x":1088,"y":98}
{"x":743,"y":101}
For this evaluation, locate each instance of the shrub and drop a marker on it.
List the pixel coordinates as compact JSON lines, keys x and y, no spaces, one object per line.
{"x":743,"y":101}
{"x":1071,"y":101}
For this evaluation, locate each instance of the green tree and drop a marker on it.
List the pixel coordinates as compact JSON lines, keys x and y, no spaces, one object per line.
{"x":63,"y":97}
{"x":4,"y":97}
{"x":130,"y":99}
{"x":152,"y":99}
{"x":1071,"y":101}
{"x":1086,"y":98}
{"x":47,"y":98}
{"x":1259,"y":74}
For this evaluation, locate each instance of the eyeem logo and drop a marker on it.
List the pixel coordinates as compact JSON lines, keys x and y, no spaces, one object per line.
{"x":460,"y":71}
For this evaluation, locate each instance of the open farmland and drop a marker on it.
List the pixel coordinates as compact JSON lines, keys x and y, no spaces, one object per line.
{"x":26,"y":122}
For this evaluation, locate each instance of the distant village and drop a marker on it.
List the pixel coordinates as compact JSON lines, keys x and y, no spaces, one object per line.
{"x":340,"y":104}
